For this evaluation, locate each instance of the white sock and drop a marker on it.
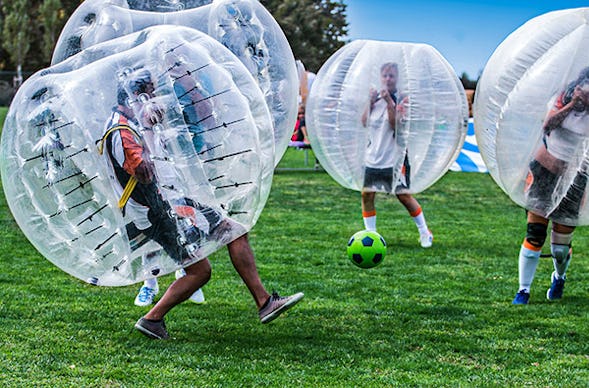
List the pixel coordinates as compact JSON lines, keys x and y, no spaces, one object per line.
{"x":370,"y":223}
{"x":420,"y":222}
{"x":528,"y":262}
{"x":151,"y":283}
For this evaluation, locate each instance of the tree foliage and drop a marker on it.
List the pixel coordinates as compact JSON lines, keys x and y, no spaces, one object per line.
{"x":51,"y":19}
{"x":315,"y":29}
{"x":15,"y":30}
{"x":467,"y":82}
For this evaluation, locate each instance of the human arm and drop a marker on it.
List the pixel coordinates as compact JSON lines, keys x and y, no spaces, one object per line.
{"x":560,"y":111}
{"x":303,"y":129}
{"x":136,"y":160}
{"x":391,"y":108}
{"x":373,"y":97}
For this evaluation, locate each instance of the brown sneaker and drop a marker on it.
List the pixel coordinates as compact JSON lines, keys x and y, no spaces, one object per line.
{"x":152,"y":329}
{"x":276,"y":305}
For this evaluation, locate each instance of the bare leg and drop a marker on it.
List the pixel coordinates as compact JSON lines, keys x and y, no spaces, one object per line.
{"x":409,"y":202}
{"x":534,"y":218}
{"x":244,"y":263}
{"x":560,"y":228}
{"x":368,"y":202}
{"x":197,"y":275}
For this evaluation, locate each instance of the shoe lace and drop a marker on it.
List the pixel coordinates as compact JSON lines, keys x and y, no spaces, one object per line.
{"x":145,"y":293}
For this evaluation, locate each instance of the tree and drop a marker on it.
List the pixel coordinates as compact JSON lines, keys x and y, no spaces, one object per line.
{"x":315,"y":29}
{"x":467,"y":82}
{"x":16,"y":32}
{"x":51,"y":19}
{"x":3,"y":53}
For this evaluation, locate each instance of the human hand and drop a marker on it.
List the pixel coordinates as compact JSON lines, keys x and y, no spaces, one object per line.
{"x":152,"y":113}
{"x":144,"y":171}
{"x":581,"y":95}
{"x":385,"y":95}
{"x":402,"y":108}
{"x":373,"y":95}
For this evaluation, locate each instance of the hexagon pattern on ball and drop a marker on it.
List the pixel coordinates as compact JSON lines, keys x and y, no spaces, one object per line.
{"x":534,"y":71}
{"x":366,"y":249}
{"x":245,"y":27}
{"x":432,"y":111}
{"x":201,"y":119}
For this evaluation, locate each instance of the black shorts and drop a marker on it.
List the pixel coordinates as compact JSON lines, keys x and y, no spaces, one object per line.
{"x":176,"y":235}
{"x":381,"y":179}
{"x":540,"y":186}
{"x":378,"y":179}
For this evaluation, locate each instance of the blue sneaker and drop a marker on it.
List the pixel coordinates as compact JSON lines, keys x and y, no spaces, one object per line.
{"x":521,"y":297}
{"x":556,"y":288}
{"x":145,"y":296}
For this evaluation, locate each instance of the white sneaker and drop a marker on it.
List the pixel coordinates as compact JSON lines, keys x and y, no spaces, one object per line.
{"x":145,"y":296}
{"x":180,"y":273}
{"x":198,"y":296}
{"x":426,"y":240}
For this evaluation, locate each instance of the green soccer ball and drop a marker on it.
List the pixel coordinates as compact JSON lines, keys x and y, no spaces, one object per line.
{"x":366,"y":249}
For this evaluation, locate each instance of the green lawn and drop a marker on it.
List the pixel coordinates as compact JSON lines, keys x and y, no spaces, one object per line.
{"x":3,"y":111}
{"x":435,"y":317}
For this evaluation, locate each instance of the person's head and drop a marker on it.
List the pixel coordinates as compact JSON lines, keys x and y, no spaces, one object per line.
{"x":389,"y":74}
{"x":135,"y":85}
{"x":583,"y":78}
{"x":581,"y":81}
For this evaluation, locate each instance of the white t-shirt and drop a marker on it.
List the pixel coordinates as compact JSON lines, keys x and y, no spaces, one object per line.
{"x":564,"y":142}
{"x":381,"y":144}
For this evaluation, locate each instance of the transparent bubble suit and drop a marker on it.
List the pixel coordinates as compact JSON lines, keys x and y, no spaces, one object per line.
{"x":520,"y":84}
{"x":430,"y":131}
{"x":244,"y":26}
{"x":211,"y":152}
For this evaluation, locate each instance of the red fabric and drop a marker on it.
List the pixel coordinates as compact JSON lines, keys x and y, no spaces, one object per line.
{"x":295,"y":134}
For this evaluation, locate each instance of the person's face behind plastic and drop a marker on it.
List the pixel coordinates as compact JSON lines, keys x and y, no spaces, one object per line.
{"x":388,"y":78}
{"x":144,"y":91}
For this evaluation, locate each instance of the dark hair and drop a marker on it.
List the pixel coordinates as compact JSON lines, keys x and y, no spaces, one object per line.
{"x":136,"y":83}
{"x":583,"y":78}
{"x":122,"y":96}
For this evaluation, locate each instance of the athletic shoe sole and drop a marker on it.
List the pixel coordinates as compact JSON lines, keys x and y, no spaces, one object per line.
{"x":291,"y":302}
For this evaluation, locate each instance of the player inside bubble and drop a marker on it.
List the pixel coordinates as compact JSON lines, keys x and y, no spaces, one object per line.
{"x":428,"y":114}
{"x":135,"y":123}
{"x":180,"y":166}
{"x":387,"y":117}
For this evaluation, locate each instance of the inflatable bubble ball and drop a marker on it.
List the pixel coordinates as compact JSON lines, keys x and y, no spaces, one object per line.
{"x":398,"y":108}
{"x":531,"y":115}
{"x":137,"y":156}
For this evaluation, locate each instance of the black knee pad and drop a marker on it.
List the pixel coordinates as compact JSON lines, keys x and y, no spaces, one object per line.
{"x":536,"y":234}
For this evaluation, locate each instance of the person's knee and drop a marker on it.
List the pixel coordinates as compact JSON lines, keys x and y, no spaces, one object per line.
{"x":561,"y":242}
{"x":202,"y":268}
{"x":536,"y":234}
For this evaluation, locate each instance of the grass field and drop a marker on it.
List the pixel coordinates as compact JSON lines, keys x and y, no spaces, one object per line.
{"x":435,"y":317}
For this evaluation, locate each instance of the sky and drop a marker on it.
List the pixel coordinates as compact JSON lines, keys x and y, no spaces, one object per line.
{"x":466,"y":33}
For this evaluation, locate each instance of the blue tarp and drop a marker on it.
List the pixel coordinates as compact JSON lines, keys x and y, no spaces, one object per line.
{"x":470,"y":159}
